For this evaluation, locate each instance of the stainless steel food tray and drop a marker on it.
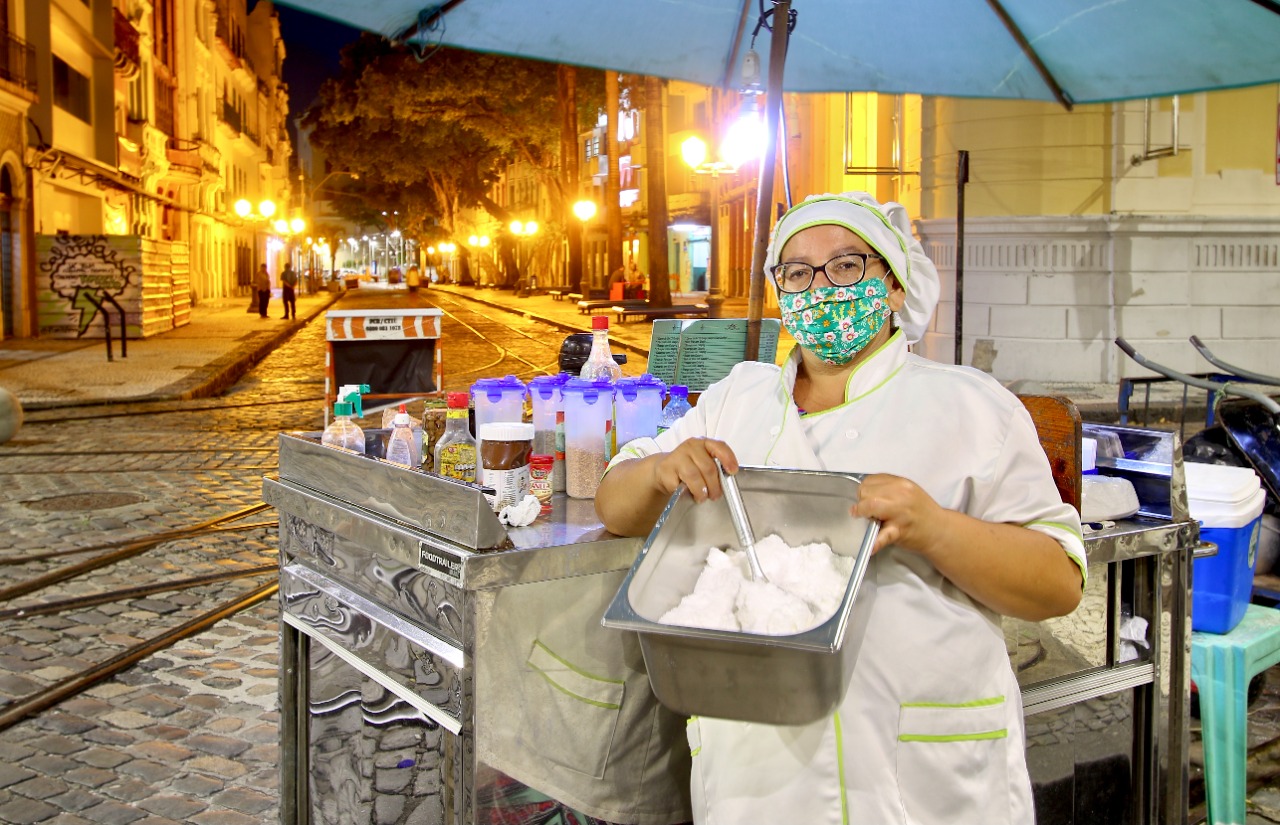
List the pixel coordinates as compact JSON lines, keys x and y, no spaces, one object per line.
{"x":733,"y":675}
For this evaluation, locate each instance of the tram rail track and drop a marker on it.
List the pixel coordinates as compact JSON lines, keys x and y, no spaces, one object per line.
{"x":529,"y":350}
{"x":62,"y":689}
{"x":127,"y":550}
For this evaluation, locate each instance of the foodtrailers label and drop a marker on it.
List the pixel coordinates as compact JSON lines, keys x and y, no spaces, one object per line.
{"x":440,"y":561}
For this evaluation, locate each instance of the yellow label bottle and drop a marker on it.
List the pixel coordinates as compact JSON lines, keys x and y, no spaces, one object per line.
{"x":455,"y":452}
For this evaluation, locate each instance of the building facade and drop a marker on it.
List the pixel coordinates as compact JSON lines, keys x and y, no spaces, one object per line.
{"x":146,"y":121}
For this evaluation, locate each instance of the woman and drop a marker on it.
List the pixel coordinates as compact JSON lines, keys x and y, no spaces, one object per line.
{"x":972,"y":528}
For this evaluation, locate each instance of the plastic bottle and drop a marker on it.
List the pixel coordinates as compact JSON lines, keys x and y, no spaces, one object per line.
{"x":676,"y":407}
{"x":455,"y":453}
{"x":600,"y":363}
{"x":342,"y":431}
{"x":401,"y":448}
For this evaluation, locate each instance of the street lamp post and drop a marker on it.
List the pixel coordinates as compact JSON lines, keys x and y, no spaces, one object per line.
{"x":584,"y":211}
{"x":476,"y":243}
{"x":694,"y":152}
{"x":309,"y":196}
{"x":261,"y":215}
{"x":742,"y":142}
{"x":525,"y":230}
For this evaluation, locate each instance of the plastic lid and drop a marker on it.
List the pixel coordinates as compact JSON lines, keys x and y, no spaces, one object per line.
{"x":545,"y":386}
{"x":458,"y":400}
{"x":506,"y":431}
{"x":599,"y":322}
{"x":679,"y":391}
{"x":588,"y":389}
{"x":629,"y":388}
{"x":401,"y":419}
{"x":1220,"y":483}
{"x":495,"y":388}
{"x":342,"y":408}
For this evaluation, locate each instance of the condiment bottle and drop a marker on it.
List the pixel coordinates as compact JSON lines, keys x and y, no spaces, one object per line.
{"x":600,"y":363}
{"x":676,"y":407}
{"x":505,"y":449}
{"x":455,"y":452}
{"x":540,"y":467}
{"x":401,"y":448}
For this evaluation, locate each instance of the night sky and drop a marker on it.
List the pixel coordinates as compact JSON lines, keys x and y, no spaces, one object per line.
{"x":312,"y":46}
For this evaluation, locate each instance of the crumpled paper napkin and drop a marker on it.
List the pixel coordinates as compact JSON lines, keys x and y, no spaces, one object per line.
{"x":522,"y":514}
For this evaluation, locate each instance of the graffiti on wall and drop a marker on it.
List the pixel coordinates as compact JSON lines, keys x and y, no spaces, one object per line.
{"x":78,"y":273}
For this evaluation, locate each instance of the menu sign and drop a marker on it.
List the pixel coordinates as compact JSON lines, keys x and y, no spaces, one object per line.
{"x":699,"y":352}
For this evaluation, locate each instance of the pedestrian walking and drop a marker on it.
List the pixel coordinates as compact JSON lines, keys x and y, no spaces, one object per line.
{"x":262,"y":285}
{"x":288,"y":282}
{"x":413,"y":278}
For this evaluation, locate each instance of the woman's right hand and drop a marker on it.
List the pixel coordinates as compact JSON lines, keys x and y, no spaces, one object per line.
{"x":692,"y":463}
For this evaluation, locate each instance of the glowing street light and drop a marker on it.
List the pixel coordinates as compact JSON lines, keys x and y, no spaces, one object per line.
{"x":584,"y":210}
{"x":744,"y":141}
{"x":244,"y":208}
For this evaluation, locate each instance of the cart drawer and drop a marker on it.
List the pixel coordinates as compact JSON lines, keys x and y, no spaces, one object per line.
{"x":426,"y":671}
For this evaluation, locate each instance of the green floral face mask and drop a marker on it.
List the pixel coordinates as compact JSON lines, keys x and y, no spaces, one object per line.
{"x":835,"y":323}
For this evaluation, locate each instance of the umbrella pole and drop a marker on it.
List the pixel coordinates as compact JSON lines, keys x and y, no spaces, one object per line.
{"x":764,"y":195}
{"x":962,"y":177}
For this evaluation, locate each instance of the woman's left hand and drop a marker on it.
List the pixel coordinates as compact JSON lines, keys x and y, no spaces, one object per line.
{"x":908,"y":515}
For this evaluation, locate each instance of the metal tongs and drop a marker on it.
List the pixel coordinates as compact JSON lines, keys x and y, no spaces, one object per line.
{"x":741,"y":524}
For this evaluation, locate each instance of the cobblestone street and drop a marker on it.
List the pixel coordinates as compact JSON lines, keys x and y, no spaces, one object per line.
{"x":189,"y":734}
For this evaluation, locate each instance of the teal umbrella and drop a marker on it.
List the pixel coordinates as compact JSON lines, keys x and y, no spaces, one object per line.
{"x":1064,"y":50}
{"x":1069,"y":51}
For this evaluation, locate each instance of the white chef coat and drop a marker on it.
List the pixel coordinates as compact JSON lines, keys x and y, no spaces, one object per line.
{"x":930,"y":729}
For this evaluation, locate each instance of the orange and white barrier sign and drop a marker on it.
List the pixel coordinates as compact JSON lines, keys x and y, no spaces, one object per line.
{"x":382,"y":325}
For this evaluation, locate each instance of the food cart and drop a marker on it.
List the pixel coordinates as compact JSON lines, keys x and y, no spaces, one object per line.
{"x":408,"y":614}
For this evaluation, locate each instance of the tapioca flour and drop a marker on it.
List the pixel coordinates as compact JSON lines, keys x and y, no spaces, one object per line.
{"x":805,"y":587}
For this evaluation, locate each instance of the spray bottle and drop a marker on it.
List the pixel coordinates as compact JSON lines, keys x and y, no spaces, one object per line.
{"x":342,"y":431}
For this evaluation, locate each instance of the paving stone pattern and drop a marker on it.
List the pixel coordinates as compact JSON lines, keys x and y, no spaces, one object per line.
{"x":190,"y":734}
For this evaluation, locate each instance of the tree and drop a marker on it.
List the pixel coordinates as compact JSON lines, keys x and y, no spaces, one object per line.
{"x":656,"y":159}
{"x":433,"y":135}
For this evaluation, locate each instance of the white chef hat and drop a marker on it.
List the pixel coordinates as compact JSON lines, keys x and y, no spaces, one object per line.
{"x":887,"y":229}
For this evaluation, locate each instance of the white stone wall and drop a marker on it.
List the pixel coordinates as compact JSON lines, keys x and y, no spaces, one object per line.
{"x":1045,"y":297}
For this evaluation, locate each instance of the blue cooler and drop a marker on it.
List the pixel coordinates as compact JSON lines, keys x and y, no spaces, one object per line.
{"x":1227,"y":501}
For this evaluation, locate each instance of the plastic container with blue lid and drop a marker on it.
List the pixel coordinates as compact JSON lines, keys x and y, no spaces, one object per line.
{"x":637,"y":406}
{"x":588,"y":425}
{"x":1228,"y":502}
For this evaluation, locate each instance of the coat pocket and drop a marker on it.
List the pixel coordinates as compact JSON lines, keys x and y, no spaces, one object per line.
{"x":576,"y":708}
{"x":952,"y":762}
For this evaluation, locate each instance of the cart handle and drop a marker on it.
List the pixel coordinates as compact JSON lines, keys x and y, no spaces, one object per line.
{"x":1225,"y":387}
{"x":1255,"y":377}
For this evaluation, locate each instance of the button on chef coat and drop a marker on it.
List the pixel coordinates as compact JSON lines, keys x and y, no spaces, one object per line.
{"x":930,"y":729}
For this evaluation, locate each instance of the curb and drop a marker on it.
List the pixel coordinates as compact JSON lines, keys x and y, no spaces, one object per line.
{"x":213,"y":378}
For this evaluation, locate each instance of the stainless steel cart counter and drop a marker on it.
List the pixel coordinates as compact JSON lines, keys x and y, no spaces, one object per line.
{"x":433,"y":662}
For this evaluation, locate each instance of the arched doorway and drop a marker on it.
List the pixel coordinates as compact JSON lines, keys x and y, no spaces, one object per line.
{"x":8,"y":270}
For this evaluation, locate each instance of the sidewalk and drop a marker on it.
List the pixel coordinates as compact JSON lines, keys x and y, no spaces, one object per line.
{"x":222,"y":341}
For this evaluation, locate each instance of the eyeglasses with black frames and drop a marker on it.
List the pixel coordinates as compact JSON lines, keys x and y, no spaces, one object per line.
{"x":842,"y":270}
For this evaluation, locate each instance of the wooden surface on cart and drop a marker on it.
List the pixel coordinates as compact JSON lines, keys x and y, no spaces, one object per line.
{"x":1058,"y":424}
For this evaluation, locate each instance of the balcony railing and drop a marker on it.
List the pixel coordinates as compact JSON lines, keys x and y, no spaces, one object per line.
{"x":18,"y":62}
{"x":230,"y":115}
{"x":165,"y":92}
